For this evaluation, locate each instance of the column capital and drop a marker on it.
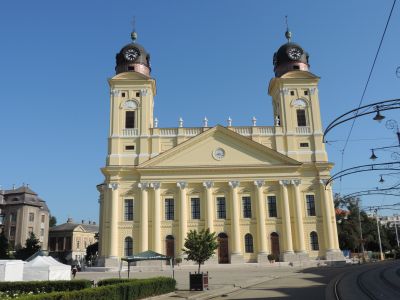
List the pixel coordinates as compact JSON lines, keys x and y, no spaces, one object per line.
{"x":155,"y":185}
{"x":259,"y":183}
{"x":284,"y":182}
{"x":208,"y":184}
{"x":323,"y":181}
{"x":143,"y":185}
{"x":296,"y":182}
{"x":182,"y":185}
{"x":114,"y":186}
{"x":234,"y":184}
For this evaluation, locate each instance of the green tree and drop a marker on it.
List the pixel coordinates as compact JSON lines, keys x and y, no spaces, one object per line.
{"x":32,"y":245}
{"x":91,"y":252}
{"x":52,"y":221}
{"x":200,"y":246}
{"x":4,"y":246}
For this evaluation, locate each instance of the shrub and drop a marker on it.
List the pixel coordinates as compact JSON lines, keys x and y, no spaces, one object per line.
{"x":128,"y":290}
{"x":110,"y":281}
{"x":35,"y":287}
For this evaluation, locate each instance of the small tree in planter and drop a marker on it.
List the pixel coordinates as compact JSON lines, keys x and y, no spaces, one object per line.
{"x":199,"y":247}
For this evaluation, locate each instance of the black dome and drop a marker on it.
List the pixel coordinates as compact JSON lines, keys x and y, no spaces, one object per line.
{"x":133,"y":58}
{"x":289,"y":57}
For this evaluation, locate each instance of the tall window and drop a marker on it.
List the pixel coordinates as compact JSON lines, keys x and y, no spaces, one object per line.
{"x":31,"y":217}
{"x":68,"y":244}
{"x":43,"y":216}
{"x":128,"y":246}
{"x":169,"y":209}
{"x":13,"y":217}
{"x":301,"y":117}
{"x":310,"y":205}
{"x":12,"y":232}
{"x":314,"y":241}
{"x":221,"y":208}
{"x":128,"y":211}
{"x":248,"y":243}
{"x":129,"y":119}
{"x":272,"y":212}
{"x":246,"y":207}
{"x":195,"y":208}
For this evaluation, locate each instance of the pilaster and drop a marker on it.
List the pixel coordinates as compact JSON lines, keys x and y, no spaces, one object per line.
{"x":182,"y":185}
{"x":236,"y":253}
{"x":288,"y":254}
{"x":156,"y":217}
{"x":261,"y":230}
{"x":144,"y":217}
{"x":208,"y":185}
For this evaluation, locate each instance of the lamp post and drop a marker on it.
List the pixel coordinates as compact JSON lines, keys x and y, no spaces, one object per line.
{"x":379,"y":234}
{"x":361,"y":233}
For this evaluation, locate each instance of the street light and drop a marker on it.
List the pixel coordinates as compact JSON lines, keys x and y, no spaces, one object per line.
{"x":381,"y":180}
{"x":378,"y":117}
{"x":373,"y":156}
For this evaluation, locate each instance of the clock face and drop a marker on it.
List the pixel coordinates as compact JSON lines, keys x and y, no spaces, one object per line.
{"x":218,"y":153}
{"x":294,"y":53}
{"x":131,"y":54}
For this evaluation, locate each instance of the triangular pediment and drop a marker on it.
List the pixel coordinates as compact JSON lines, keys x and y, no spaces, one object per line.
{"x":219,"y":147}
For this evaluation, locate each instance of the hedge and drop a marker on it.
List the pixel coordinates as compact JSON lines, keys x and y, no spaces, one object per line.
{"x":129,"y":290}
{"x":110,"y":281}
{"x":18,"y":287}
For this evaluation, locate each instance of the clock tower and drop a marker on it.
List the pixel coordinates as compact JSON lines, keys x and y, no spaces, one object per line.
{"x":294,"y":91}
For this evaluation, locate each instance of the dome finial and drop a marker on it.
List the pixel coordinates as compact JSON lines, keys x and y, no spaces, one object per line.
{"x":133,"y":33}
{"x":288,"y":34}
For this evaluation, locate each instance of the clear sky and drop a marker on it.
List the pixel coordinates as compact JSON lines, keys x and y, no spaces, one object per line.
{"x":210,"y":58}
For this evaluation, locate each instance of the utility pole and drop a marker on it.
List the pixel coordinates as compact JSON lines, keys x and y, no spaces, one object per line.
{"x":379,"y":234}
{"x":361,"y":233}
{"x":395,"y":227}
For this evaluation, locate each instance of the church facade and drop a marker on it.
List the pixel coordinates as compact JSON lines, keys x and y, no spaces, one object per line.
{"x":260,"y":188}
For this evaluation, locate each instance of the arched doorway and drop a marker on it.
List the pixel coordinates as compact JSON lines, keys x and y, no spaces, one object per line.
{"x":170,"y":246}
{"x":275,"y":251}
{"x":223,"y":250}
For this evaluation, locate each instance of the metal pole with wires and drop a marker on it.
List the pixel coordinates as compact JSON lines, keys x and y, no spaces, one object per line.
{"x":379,"y":234}
{"x":361,"y":233}
{"x":395,"y":227}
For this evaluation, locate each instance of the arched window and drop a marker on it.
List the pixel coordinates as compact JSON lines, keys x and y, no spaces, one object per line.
{"x":314,"y":241}
{"x":128,"y":246}
{"x":248,"y":243}
{"x":301,"y":117}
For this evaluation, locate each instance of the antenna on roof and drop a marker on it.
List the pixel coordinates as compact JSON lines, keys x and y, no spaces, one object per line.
{"x":288,"y":34}
{"x":133,"y":33}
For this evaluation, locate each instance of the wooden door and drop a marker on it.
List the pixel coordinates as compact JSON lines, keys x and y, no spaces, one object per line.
{"x":223,"y":250}
{"x":275,"y":251}
{"x":170,"y":246}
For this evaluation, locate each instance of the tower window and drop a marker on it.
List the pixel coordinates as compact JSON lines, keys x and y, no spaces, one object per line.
{"x":272,"y":211}
{"x":128,"y":210}
{"x":310,"y":202}
{"x":130,"y":147}
{"x":131,"y":68}
{"x":296,"y":67}
{"x":304,"y":145}
{"x":305,"y":93}
{"x":129,"y":119}
{"x":123,"y":94}
{"x":291,"y":93}
{"x":137,"y":94}
{"x":301,"y":117}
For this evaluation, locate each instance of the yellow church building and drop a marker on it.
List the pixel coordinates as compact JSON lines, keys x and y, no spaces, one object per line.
{"x":260,"y":188}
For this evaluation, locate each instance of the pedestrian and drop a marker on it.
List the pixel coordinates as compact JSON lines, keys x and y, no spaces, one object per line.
{"x":74,"y":270}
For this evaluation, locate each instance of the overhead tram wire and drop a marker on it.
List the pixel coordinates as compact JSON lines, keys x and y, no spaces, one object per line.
{"x":370,"y":73}
{"x":367,"y":83}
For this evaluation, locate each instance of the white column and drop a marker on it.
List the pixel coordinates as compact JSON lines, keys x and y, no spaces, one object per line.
{"x":144,"y":217}
{"x":287,"y":229}
{"x":113,"y":240}
{"x":299,"y":217}
{"x":209,"y":205}
{"x":330,"y":245}
{"x":157,"y":217}
{"x":182,"y":214}
{"x":262,"y":235}
{"x":235,"y":219}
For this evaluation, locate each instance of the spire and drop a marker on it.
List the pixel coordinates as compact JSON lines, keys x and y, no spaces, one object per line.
{"x":133,"y":33}
{"x":288,"y":34}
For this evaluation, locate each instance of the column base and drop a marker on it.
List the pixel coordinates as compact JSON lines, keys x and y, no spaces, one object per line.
{"x":111,"y":262}
{"x":237,"y":258}
{"x":334,"y":255}
{"x":262,"y":257}
{"x":288,"y":256}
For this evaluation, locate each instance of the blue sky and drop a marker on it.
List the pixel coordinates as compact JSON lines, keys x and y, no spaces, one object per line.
{"x":210,"y":58}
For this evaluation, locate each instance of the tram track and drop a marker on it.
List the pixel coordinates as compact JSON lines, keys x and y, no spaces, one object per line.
{"x":364,"y":287}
